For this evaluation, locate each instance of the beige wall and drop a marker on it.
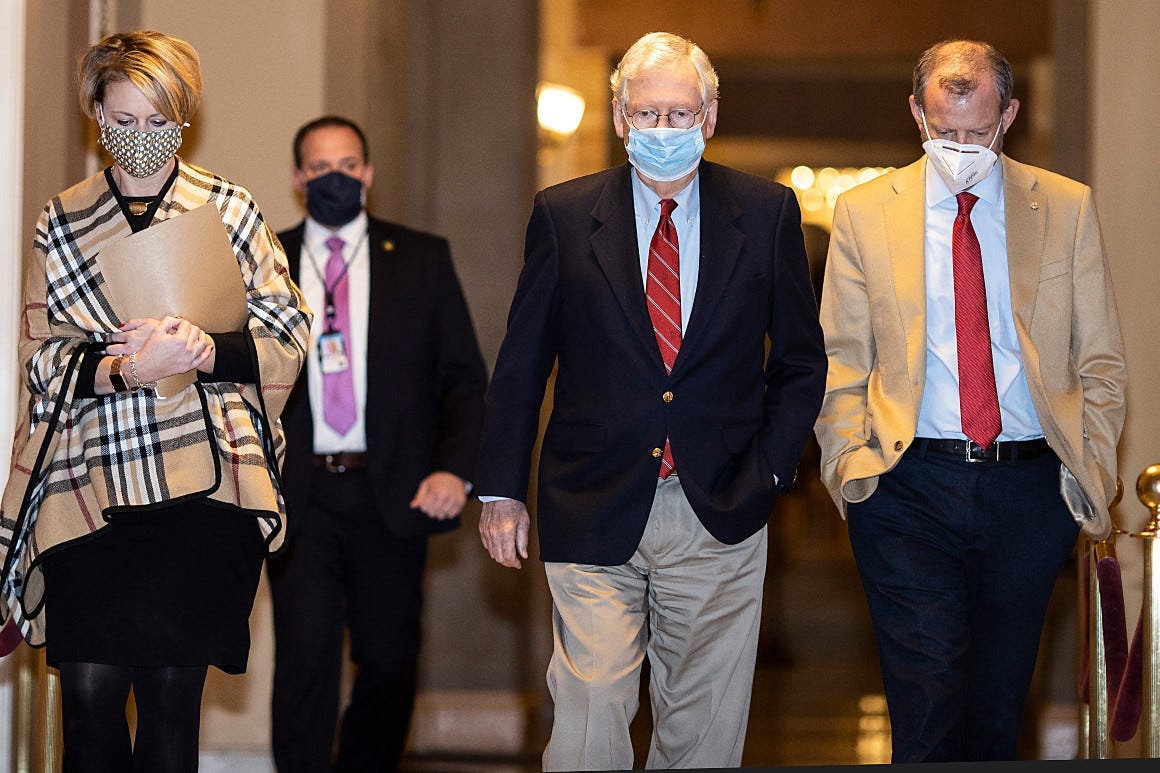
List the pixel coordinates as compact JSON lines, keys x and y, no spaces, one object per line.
{"x":262,"y":66}
{"x":1125,"y":108}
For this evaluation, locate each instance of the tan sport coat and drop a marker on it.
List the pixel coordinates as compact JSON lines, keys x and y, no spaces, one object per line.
{"x":873,"y":313}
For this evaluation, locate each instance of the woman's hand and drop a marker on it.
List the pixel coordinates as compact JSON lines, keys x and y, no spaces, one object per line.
{"x":131,"y":337}
{"x":164,"y":347}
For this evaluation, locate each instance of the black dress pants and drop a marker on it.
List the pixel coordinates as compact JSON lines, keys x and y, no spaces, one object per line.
{"x":958,"y":560}
{"x":343,"y":568}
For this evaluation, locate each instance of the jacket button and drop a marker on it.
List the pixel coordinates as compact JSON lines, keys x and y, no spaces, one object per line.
{"x":897,"y":445}
{"x":667,"y":397}
{"x":657,"y":453}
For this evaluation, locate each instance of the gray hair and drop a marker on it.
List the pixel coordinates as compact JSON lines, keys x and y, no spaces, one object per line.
{"x":965,"y":61}
{"x":663,"y":49}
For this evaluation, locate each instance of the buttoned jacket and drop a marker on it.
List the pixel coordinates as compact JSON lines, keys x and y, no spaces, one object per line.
{"x":736,"y":411}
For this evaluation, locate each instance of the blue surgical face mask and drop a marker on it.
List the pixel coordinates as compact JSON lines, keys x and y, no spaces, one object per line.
{"x":665,"y":154}
{"x":334,"y":199}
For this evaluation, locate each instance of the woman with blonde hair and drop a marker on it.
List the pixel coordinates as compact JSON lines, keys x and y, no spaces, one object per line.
{"x":134,"y":525}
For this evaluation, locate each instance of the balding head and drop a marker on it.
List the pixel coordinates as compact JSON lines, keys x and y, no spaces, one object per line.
{"x":958,"y":67}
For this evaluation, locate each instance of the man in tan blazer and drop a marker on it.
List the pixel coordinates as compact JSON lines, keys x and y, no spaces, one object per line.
{"x":966,"y":462}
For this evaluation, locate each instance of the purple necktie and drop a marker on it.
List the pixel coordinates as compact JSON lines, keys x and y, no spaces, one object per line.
{"x":338,"y":388}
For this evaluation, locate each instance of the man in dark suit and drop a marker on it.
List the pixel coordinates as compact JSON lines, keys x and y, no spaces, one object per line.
{"x":382,"y":433}
{"x":654,"y":288}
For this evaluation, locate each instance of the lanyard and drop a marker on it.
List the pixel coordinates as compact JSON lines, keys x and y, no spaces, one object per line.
{"x":328,"y":289}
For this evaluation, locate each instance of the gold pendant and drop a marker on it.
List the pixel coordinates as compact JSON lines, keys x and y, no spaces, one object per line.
{"x":138,"y":207}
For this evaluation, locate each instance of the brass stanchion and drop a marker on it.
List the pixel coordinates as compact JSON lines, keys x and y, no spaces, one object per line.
{"x":1148,"y":491}
{"x":36,"y":746}
{"x":1095,"y":711}
{"x":24,"y":721}
{"x":1098,"y":708}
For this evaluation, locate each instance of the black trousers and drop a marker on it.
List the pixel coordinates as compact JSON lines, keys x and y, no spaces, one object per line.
{"x":344,"y":569}
{"x":958,"y":560}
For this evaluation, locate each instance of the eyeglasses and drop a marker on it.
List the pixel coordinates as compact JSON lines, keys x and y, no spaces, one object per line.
{"x":679,"y":118}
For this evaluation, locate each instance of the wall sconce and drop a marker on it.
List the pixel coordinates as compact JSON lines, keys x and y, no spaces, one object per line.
{"x":558,"y":110}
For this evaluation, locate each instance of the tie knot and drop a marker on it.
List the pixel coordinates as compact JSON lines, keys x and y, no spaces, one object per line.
{"x":966,"y":202}
{"x":667,"y":207}
{"x":335,"y":244}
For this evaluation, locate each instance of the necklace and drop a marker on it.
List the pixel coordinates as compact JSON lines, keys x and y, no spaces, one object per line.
{"x":138,"y":208}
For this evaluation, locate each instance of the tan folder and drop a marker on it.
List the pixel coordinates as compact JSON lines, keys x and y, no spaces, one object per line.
{"x":181,"y":266}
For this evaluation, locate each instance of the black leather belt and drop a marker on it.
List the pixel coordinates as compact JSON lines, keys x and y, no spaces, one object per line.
{"x":969,"y":451}
{"x":341,"y":462}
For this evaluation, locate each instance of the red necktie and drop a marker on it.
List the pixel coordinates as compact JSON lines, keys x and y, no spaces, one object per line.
{"x":978,"y":399}
{"x":663,"y":290}
{"x":338,"y":408}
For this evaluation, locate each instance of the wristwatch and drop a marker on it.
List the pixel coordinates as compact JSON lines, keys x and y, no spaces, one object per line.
{"x":115,"y":377}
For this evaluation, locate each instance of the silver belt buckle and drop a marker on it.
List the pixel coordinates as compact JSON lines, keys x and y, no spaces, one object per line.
{"x":331,"y":466}
{"x":969,"y":455}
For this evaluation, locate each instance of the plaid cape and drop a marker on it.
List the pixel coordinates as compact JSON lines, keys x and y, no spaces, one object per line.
{"x":77,"y":460}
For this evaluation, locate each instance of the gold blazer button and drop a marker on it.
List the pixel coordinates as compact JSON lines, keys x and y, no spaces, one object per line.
{"x":667,"y":397}
{"x":657,"y":453}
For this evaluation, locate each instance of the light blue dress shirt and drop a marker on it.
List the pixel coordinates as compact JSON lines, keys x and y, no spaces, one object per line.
{"x":687,"y":219}
{"x":939,"y":415}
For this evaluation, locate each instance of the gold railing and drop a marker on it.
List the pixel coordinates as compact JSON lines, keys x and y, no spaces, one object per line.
{"x":36,"y":744}
{"x":1120,"y":683}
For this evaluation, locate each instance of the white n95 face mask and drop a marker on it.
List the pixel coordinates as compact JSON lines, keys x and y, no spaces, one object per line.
{"x":960,"y":166}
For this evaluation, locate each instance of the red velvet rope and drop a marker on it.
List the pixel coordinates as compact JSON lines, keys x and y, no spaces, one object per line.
{"x":1124,"y":664}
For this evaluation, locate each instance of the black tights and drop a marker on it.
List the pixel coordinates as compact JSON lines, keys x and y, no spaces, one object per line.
{"x":96,"y":731}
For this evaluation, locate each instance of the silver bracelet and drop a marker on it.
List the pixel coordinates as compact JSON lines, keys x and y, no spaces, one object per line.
{"x":137,"y":383}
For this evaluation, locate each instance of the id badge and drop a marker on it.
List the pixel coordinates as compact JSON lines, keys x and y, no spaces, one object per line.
{"x":332,"y":353}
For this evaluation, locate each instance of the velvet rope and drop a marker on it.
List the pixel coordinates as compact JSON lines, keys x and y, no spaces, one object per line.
{"x":1130,"y":695}
{"x":1124,"y":664}
{"x":1115,"y":625}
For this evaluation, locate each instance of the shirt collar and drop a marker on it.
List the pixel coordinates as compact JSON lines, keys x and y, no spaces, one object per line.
{"x":316,"y":234}
{"x":989,"y":189}
{"x":646,"y":201}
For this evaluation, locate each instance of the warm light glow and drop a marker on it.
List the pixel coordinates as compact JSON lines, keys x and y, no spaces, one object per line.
{"x":818,"y":189}
{"x":558,"y":108}
{"x":827,"y":178}
{"x":802,"y":177}
{"x":812,"y":200}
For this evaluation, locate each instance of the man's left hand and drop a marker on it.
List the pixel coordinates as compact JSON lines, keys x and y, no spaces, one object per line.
{"x":441,"y":495}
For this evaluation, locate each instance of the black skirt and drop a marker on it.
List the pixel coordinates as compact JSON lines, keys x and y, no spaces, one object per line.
{"x":172,"y":586}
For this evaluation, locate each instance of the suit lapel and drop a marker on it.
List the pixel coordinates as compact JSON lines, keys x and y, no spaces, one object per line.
{"x":613,"y":242}
{"x":379,"y":248}
{"x":903,"y":222}
{"x":1026,"y":223}
{"x":721,"y":242}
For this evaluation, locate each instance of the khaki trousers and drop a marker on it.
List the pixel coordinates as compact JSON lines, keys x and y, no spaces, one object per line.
{"x":689,"y":603}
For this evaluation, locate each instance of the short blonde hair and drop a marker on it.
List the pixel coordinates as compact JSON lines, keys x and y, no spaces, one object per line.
{"x":166,"y":69}
{"x":663,"y":49}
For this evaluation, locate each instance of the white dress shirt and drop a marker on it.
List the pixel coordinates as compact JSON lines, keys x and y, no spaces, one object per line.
{"x":939,"y":415}
{"x":311,"y":273}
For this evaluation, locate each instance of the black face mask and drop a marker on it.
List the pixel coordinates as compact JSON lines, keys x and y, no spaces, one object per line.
{"x":334,"y":199}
